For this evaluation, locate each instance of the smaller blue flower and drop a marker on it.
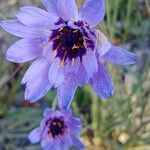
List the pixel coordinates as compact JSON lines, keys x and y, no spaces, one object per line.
{"x":58,"y":130}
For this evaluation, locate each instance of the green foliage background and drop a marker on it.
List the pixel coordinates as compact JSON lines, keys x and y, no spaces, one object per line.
{"x":120,"y":123}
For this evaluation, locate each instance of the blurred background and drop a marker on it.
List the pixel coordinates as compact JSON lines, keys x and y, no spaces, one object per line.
{"x":121,"y":122}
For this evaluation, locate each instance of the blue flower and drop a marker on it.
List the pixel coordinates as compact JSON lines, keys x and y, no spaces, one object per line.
{"x":67,"y":51}
{"x":57,"y":131}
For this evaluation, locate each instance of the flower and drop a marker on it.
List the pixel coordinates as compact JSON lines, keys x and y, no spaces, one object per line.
{"x":57,"y":131}
{"x":67,"y":51}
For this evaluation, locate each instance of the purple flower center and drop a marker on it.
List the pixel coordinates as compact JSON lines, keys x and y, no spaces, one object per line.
{"x":56,"y":127}
{"x":69,"y":43}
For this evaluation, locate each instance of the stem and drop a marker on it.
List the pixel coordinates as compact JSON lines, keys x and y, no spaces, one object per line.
{"x":95,"y":112}
{"x":128,"y":18}
{"x":114,"y":19}
{"x":108,"y":18}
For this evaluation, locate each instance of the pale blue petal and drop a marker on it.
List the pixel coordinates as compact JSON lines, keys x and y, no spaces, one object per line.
{"x":60,"y":77}
{"x":32,"y":16}
{"x":117,"y":55}
{"x":66,"y":91}
{"x":48,"y":144}
{"x":90,"y":63}
{"x":36,"y":89}
{"x":18,"y":29}
{"x":51,"y":6}
{"x":72,"y":67}
{"x":48,"y":112}
{"x":81,"y":76}
{"x":77,"y":143}
{"x":102,"y":43}
{"x":93,"y":11}
{"x":37,"y":83}
{"x":24,"y":50}
{"x":35,"y":135}
{"x":53,"y":71}
{"x":102,"y":83}
{"x":106,"y":45}
{"x":33,"y":73}
{"x":48,"y":52}
{"x":68,"y":9}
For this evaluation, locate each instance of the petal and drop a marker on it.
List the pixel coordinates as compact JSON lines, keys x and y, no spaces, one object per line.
{"x":36,"y":89}
{"x":48,"y":112}
{"x":66,"y":91}
{"x":72,"y":67}
{"x":60,"y":77}
{"x":93,"y":11}
{"x":51,"y":6}
{"x":53,"y":71}
{"x":102,"y":43}
{"x":102,"y":83}
{"x":37,"y":68}
{"x":120,"y":56}
{"x":90,"y":63}
{"x":68,"y":9}
{"x":18,"y":29}
{"x":35,"y":135}
{"x":32,"y":16}
{"x":75,"y":126}
{"x":77,"y":143}
{"x":37,"y":83}
{"x":24,"y":50}
{"x":81,"y":76}
{"x":65,"y":143}
{"x":48,"y":144}
{"x":48,"y":52}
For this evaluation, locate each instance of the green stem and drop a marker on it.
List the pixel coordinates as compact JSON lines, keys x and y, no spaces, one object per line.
{"x":95,"y":112}
{"x":114,"y":18}
{"x":128,"y":18}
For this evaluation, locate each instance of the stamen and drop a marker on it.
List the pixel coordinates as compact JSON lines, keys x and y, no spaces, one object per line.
{"x":73,"y":61}
{"x":76,"y":47}
{"x":56,"y":50}
{"x":63,"y":60}
{"x":57,"y":47}
{"x":59,"y":124}
{"x":75,"y":31}
{"x":85,"y":24}
{"x":69,"y":43}
{"x":60,"y":29}
{"x":55,"y":38}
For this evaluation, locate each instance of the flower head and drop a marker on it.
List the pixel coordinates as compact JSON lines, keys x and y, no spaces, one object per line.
{"x":67,"y":51}
{"x":58,"y":130}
